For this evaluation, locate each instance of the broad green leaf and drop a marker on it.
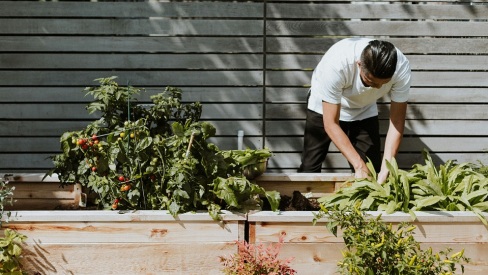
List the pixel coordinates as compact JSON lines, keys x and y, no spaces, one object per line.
{"x":428,"y":201}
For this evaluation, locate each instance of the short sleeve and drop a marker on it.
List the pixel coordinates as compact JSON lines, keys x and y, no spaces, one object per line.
{"x":400,"y":90}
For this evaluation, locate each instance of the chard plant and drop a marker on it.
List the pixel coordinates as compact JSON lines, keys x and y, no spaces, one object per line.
{"x":374,"y":247}
{"x":157,"y":157}
{"x":449,"y":187}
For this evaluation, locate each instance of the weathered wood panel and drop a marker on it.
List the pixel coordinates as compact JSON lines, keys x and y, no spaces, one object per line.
{"x":65,"y":241}
{"x":316,"y":250}
{"x":249,"y":62}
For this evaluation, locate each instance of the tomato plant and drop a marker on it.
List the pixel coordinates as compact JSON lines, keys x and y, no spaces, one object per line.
{"x":146,"y":147}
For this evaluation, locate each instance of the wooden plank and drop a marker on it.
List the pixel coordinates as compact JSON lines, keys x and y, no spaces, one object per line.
{"x":322,"y":258}
{"x":55,"y":128}
{"x":412,"y":127}
{"x":409,"y":144}
{"x":39,"y":190}
{"x":417,"y":62}
{"x":64,"y":241}
{"x":424,"y":79}
{"x":314,"y":248}
{"x":379,"y":10}
{"x":74,"y":111}
{"x":134,"y":26}
{"x":291,"y":160}
{"x":124,"y":9}
{"x":312,"y":185}
{"x":282,"y":95}
{"x":129,"y":258}
{"x":76,"y":94}
{"x":179,"y":79}
{"x":410,"y":45}
{"x":77,"y":61}
{"x":414,"y":111}
{"x":126,"y":232}
{"x":130,"y":44}
{"x":385,"y":28}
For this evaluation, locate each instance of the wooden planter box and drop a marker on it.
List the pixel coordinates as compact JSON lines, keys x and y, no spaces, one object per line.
{"x":113,"y":242}
{"x":316,"y":250}
{"x":314,"y":185}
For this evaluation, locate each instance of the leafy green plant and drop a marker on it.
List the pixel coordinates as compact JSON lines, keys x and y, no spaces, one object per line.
{"x":10,"y":243}
{"x":153,"y":156}
{"x":251,"y":259}
{"x":6,"y":196}
{"x":10,"y":252}
{"x":374,"y":247}
{"x":449,"y":187}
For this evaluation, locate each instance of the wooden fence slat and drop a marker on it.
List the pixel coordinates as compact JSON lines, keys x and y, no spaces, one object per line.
{"x":139,"y":9}
{"x":423,"y":79}
{"x":50,"y":128}
{"x":409,"y":144}
{"x":412,"y":127}
{"x":152,"y":26}
{"x":130,"y":44}
{"x":379,"y":10}
{"x":133,"y":61}
{"x":417,"y":95}
{"x":76,"y":94}
{"x":381,"y":28}
{"x":135,"y":78}
{"x":414,"y":111}
{"x":417,"y":62}
{"x":408,"y":45}
{"x":78,"y":111}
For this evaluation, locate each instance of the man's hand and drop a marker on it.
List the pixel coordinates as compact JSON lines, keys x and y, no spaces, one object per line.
{"x":382,"y":176}
{"x":361,"y":174}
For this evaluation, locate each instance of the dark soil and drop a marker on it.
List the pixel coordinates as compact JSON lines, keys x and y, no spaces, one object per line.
{"x":297,"y":202}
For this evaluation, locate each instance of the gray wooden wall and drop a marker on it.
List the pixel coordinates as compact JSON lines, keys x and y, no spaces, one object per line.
{"x":248,"y":62}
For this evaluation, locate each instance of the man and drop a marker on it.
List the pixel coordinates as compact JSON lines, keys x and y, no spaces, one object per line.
{"x":352,"y":75}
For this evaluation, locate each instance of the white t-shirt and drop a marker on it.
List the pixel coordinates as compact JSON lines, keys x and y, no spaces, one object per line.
{"x":336,"y":80}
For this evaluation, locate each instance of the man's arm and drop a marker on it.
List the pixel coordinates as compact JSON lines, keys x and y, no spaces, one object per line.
{"x":394,"y":136}
{"x":340,"y":139}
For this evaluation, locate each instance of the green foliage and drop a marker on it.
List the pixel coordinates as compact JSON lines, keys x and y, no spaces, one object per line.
{"x":251,"y":259}
{"x":10,"y":252}
{"x":6,"y":196}
{"x":449,"y":187}
{"x":10,"y":244}
{"x":376,"y":248}
{"x":157,"y":157}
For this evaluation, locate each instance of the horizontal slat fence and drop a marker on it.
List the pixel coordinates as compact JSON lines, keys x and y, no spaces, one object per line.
{"x":248,"y":62}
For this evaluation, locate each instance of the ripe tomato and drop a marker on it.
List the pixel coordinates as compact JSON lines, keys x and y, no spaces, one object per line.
{"x":125,"y":187}
{"x":81,"y":141}
{"x":94,"y":137}
{"x":94,"y":168}
{"x":121,"y":178}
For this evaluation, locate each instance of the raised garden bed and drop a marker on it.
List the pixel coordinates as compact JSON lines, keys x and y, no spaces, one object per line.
{"x":144,"y":242}
{"x":317,"y":251}
{"x":132,"y":242}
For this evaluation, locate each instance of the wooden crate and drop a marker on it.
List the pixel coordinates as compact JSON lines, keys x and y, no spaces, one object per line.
{"x":131,"y":242}
{"x":314,"y":185}
{"x":317,"y":251}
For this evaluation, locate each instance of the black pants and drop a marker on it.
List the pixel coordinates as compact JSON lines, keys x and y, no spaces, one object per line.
{"x":363,"y":134}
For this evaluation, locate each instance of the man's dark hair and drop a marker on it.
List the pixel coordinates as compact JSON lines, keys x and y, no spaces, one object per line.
{"x":379,"y":58}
